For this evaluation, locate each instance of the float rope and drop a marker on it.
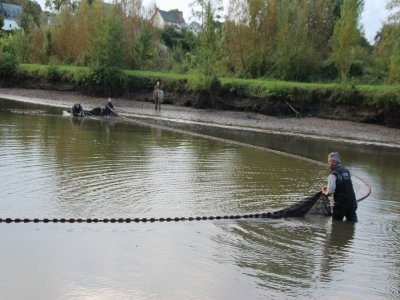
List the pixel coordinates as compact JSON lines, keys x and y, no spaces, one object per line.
{"x":228,"y":141}
{"x":269,"y":215}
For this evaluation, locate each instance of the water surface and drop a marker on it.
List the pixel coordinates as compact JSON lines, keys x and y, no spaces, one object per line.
{"x":52,"y":166}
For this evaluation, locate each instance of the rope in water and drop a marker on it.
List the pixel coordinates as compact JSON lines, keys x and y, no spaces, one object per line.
{"x":272,"y":215}
{"x":228,"y":141}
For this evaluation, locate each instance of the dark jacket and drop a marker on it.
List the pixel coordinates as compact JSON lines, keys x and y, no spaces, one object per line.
{"x":344,"y":194}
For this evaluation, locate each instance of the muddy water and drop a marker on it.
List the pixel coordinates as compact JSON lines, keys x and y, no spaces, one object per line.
{"x":52,"y":166}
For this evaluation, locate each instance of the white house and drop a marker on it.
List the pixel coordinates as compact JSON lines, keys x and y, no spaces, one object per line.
{"x":194,"y":27}
{"x":162,"y":18}
{"x":10,"y":13}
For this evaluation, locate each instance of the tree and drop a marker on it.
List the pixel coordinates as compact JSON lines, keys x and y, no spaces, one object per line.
{"x":394,"y":7}
{"x":57,"y":5}
{"x":209,"y":51}
{"x":47,"y":46}
{"x":1,"y":21}
{"x":142,"y":46}
{"x":107,"y":55}
{"x":394,"y":19}
{"x":20,"y":44}
{"x":237,"y":35}
{"x":201,"y":9}
{"x":346,"y":36}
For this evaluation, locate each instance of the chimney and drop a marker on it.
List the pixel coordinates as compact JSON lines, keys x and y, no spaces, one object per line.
{"x":180,"y":17}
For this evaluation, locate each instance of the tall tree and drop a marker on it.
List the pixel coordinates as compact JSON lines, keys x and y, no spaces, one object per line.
{"x":236,"y":35}
{"x":346,"y":36}
{"x":209,"y":51}
{"x":108,"y":47}
{"x":108,"y":52}
{"x":394,"y":66}
{"x":142,"y":46}
{"x":394,"y":7}
{"x":20,"y":44}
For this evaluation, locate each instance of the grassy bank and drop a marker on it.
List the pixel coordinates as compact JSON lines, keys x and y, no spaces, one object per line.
{"x":378,"y":103}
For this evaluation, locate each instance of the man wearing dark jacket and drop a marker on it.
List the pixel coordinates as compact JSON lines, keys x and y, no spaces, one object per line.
{"x":341,"y":187}
{"x":77,"y":110}
{"x":109,"y":109}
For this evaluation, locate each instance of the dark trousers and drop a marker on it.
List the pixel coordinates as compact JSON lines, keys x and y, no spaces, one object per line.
{"x":349,"y":211}
{"x":158,"y":103}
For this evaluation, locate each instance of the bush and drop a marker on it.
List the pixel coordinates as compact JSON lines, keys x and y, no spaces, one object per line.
{"x":210,"y":84}
{"x":53,"y":74}
{"x":8,"y":66}
{"x":107,"y":81}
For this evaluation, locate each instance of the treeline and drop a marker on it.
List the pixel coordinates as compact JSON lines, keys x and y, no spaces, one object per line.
{"x":298,"y":40}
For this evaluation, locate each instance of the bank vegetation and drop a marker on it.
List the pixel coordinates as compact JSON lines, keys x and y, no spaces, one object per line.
{"x":279,"y":57}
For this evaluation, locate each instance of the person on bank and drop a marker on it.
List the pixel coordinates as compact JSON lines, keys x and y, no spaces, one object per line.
{"x":109,"y":109}
{"x":158,"y":95}
{"x":341,"y":187}
{"x":77,"y":110}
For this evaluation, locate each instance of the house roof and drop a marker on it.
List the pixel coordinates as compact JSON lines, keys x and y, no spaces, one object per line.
{"x":10,"y":11}
{"x":170,"y":17}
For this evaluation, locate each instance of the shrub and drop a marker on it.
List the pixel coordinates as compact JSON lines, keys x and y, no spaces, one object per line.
{"x":8,"y":65}
{"x":54,"y":74}
{"x":106,"y":80}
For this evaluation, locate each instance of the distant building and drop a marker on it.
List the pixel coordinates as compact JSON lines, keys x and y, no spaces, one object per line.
{"x":162,"y":18}
{"x":194,"y":27}
{"x":10,"y":13}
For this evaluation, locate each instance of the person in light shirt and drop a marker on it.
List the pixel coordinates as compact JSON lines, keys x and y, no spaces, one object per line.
{"x":341,"y":187}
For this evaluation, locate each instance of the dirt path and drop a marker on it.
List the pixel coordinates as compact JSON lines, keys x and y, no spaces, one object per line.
{"x":311,"y":127}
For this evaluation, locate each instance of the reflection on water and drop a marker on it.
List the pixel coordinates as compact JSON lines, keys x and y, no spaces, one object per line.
{"x":52,"y":166}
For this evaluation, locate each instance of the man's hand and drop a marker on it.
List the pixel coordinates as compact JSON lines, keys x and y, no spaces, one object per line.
{"x":325,"y":191}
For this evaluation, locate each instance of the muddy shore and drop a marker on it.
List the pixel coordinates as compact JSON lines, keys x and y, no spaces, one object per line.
{"x":347,"y":131}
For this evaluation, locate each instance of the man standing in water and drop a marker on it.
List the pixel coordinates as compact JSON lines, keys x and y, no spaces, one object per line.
{"x":341,"y":187}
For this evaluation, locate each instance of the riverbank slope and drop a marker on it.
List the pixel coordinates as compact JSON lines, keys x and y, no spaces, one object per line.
{"x":347,"y":131}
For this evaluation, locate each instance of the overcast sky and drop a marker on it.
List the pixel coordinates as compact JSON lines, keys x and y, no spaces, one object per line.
{"x":373,"y":16}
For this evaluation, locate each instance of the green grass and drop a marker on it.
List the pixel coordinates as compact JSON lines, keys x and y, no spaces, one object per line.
{"x":238,"y":86}
{"x":225,"y":81}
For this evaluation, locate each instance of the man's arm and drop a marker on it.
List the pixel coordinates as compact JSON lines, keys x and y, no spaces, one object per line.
{"x":331,"y":187}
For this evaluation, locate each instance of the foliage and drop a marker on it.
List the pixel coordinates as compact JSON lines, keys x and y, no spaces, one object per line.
{"x":174,"y":37}
{"x":54,"y":74}
{"x":20,"y":44}
{"x":8,"y":63}
{"x":59,"y":4}
{"x":345,"y":36}
{"x":142,"y":46}
{"x":394,"y":7}
{"x":108,"y":47}
{"x":47,"y":46}
{"x":209,"y":52}
{"x":109,"y":80}
{"x":298,"y":40}
{"x":108,"y":55}
{"x":394,"y":67}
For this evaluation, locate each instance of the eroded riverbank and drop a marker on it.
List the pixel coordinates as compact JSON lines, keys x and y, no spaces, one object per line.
{"x":346,"y":131}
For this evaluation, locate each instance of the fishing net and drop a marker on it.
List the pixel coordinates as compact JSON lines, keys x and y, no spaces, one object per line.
{"x":315,"y":204}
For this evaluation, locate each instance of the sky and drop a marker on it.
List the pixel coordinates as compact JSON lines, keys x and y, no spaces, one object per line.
{"x":373,"y":16}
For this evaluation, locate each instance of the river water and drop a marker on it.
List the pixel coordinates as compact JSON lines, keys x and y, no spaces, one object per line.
{"x":55,"y":167}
